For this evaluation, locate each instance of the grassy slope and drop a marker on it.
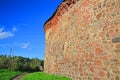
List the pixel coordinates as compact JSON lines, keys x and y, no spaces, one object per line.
{"x":7,"y":74}
{"x":43,"y":76}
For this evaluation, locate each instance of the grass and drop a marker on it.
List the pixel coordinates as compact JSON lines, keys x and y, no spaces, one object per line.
{"x":43,"y":76}
{"x":8,"y":74}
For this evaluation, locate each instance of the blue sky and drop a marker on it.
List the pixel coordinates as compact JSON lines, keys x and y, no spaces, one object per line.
{"x":21,"y":26}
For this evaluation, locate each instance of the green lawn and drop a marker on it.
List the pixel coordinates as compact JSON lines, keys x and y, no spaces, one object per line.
{"x":43,"y":76}
{"x":8,"y":74}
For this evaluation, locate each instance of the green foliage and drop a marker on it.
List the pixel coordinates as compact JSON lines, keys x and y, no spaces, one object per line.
{"x":43,"y":76}
{"x":8,"y":74}
{"x":18,"y":63}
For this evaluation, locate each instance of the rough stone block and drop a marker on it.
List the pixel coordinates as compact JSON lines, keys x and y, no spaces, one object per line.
{"x":116,"y":40}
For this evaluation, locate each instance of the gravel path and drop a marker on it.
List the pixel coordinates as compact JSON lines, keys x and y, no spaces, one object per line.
{"x":19,"y":77}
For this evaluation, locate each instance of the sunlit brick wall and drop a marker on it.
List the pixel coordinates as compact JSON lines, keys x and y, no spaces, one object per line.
{"x":83,"y":41}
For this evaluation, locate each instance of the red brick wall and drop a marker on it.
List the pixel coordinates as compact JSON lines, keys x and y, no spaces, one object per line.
{"x":83,"y":43}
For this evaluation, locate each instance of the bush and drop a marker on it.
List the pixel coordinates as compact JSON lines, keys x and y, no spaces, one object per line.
{"x":18,"y":63}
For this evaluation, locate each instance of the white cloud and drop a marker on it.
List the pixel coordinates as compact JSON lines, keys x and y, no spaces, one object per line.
{"x":14,"y":29}
{"x":25,"y":45}
{"x":5,"y":34}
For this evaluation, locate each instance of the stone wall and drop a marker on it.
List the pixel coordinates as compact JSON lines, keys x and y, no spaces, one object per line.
{"x":83,"y":40}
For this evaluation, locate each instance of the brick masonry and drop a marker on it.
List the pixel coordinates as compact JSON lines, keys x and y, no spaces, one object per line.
{"x":83,"y":40}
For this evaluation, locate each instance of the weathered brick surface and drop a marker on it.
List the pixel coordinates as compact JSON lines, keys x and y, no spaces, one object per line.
{"x":83,"y":40}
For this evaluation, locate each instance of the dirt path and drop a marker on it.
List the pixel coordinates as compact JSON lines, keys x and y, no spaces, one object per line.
{"x":19,"y":77}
